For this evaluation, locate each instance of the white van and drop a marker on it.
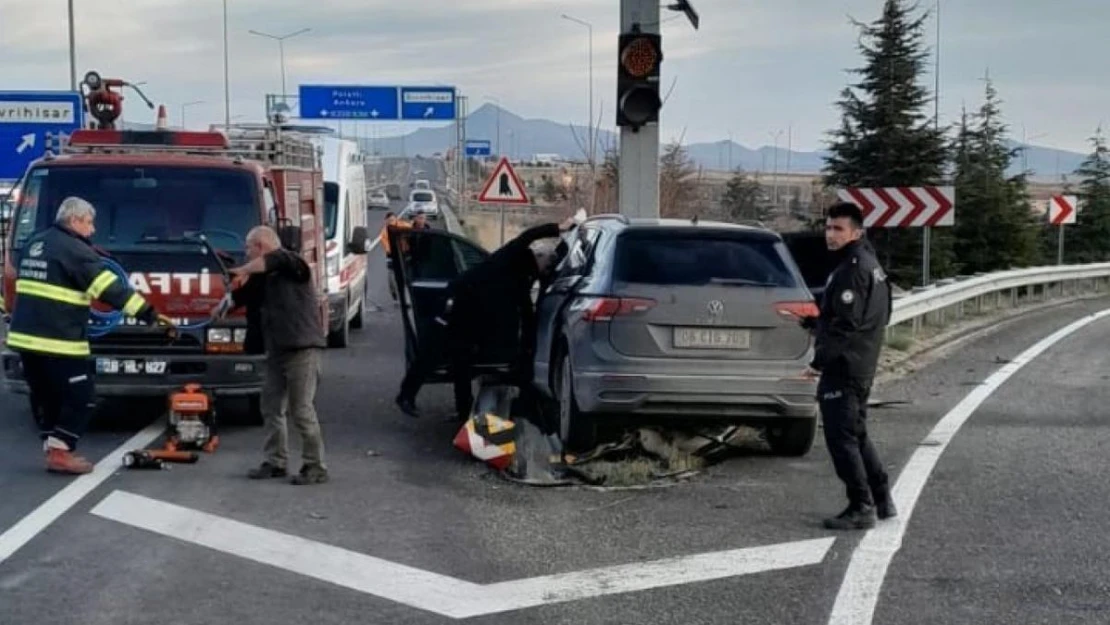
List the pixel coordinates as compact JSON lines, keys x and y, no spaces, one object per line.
{"x":344,"y":210}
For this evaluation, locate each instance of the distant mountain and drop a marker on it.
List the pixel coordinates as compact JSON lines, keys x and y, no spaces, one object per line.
{"x":522,"y":138}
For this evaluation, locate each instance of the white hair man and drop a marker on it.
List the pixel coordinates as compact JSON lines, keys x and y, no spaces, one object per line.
{"x":287,"y":316}
{"x":60,"y":274}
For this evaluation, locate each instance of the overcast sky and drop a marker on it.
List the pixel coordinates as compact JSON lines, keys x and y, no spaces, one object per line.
{"x":754,"y":68}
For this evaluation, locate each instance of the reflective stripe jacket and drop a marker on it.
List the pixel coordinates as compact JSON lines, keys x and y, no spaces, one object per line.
{"x":59,"y":275}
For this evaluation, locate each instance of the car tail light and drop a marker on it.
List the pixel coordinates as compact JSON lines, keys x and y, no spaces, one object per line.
{"x":798,"y":309}
{"x":606,"y":308}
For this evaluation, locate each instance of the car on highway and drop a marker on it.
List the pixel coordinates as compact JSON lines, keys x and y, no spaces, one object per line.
{"x":422,"y":184}
{"x":424,"y":201}
{"x":378,"y":199}
{"x":650,"y":321}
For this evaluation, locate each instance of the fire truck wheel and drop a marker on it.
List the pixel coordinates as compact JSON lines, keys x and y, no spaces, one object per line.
{"x":254,"y":410}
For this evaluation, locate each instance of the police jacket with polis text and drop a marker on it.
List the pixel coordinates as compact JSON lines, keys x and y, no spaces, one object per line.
{"x":855,"y":310}
{"x":59,"y":274}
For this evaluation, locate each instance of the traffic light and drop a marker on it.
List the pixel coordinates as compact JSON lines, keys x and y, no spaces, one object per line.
{"x":639,"y":58}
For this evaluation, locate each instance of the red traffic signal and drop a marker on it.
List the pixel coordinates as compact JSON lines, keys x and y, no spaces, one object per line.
{"x":640,"y":56}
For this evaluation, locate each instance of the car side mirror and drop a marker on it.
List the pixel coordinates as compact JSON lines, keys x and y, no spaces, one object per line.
{"x":290,"y":236}
{"x":360,"y":241}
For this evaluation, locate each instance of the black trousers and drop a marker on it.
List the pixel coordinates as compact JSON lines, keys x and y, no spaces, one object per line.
{"x":62,"y":393}
{"x":461,"y":343}
{"x":844,"y":417}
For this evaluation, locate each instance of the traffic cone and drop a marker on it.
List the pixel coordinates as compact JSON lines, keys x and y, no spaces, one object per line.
{"x":161,"y":124}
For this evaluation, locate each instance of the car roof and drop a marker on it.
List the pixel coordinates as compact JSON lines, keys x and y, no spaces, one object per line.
{"x":653,"y":223}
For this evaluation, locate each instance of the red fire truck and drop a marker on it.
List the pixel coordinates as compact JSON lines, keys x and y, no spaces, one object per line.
{"x":174,"y":208}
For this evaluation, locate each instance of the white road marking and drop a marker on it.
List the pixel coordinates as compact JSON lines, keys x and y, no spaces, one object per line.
{"x":432,"y":592}
{"x":859,"y":592}
{"x":41,"y":517}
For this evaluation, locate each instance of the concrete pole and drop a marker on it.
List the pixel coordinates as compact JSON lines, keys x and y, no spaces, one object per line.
{"x":638,"y":193}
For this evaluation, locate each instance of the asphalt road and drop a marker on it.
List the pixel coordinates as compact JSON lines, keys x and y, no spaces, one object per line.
{"x":1009,"y":528}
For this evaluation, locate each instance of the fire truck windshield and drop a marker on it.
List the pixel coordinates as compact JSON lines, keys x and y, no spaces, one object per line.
{"x":145,"y":208}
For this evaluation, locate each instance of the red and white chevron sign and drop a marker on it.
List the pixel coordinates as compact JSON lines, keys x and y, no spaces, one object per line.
{"x":903,"y":207}
{"x":1061,"y":209}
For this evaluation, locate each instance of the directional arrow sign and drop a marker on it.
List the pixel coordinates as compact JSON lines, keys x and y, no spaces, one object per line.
{"x":432,"y":592}
{"x":342,"y":102}
{"x":27,"y":143}
{"x":428,"y":103}
{"x":1061,"y":209}
{"x":26,"y":118}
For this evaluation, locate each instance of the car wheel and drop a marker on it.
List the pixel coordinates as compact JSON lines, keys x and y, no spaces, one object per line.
{"x":792,"y":437}
{"x":578,"y":431}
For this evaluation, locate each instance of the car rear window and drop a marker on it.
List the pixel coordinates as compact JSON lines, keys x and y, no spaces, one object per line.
{"x":422,"y":197}
{"x":696,"y":259}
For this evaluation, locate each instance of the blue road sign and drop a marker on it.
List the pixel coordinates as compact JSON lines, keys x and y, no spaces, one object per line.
{"x":478,"y":147}
{"x":427,"y":103}
{"x":26,"y":118}
{"x":342,"y":102}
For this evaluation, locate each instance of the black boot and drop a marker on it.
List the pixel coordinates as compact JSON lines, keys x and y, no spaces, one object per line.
{"x":407,"y":406}
{"x":854,"y":517}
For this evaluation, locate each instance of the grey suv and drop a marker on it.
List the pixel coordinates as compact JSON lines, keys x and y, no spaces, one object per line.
{"x":651,"y":320}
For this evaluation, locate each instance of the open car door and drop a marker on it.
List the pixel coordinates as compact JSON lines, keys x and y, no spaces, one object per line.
{"x":813,"y":258}
{"x":423,"y":263}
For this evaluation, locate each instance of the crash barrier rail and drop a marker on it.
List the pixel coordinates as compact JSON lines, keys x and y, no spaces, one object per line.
{"x":450,"y":220}
{"x":933,"y":304}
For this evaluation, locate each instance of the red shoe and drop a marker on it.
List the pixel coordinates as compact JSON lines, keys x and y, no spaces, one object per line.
{"x":64,"y":461}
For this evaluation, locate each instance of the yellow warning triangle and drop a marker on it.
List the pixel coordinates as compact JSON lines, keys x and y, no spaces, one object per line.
{"x":503,"y":186}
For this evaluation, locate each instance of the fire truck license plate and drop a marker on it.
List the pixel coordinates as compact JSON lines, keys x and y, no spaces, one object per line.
{"x":130,"y":366}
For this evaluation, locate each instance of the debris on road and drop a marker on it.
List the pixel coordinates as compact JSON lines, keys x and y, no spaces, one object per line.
{"x":507,"y":435}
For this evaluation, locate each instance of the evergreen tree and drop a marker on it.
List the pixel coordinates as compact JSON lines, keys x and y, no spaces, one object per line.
{"x":1089,"y":239}
{"x":887,"y":140}
{"x":744,"y":199}
{"x":995,"y":228}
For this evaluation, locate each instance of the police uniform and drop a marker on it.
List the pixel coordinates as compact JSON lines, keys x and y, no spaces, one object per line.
{"x":59,"y":275}
{"x":855,"y":310}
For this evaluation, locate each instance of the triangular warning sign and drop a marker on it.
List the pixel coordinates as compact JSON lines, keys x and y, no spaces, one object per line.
{"x":503,"y":186}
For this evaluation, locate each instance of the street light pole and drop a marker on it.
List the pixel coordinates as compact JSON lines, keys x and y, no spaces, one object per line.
{"x":227,"y":77}
{"x":281,"y":51}
{"x":72,"y":51}
{"x":590,"y":154}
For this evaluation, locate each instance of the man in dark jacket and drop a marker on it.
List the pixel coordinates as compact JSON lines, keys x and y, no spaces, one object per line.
{"x":490,"y":314}
{"x":60,"y":274}
{"x":277,"y":288}
{"x":855,"y":310}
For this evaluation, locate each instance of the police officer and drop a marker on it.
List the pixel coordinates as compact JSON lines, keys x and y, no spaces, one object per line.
{"x":854,"y":314}
{"x":60,"y":273}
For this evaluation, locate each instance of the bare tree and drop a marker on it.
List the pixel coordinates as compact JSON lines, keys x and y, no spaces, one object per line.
{"x":677,"y":183}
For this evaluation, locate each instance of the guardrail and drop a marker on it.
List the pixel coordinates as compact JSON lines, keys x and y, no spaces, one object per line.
{"x":447,"y":207}
{"x":933,"y":305}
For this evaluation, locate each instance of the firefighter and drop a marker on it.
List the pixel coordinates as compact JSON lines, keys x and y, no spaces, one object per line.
{"x":59,"y":275}
{"x":855,"y":310}
{"x":489,"y":311}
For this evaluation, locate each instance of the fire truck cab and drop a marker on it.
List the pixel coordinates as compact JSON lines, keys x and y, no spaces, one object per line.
{"x":158,"y":195}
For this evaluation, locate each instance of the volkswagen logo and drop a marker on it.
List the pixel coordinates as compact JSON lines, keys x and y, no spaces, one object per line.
{"x":716,"y":308}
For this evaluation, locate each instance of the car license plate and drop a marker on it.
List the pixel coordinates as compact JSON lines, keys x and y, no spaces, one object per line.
{"x":712,"y":338}
{"x":130,"y":366}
